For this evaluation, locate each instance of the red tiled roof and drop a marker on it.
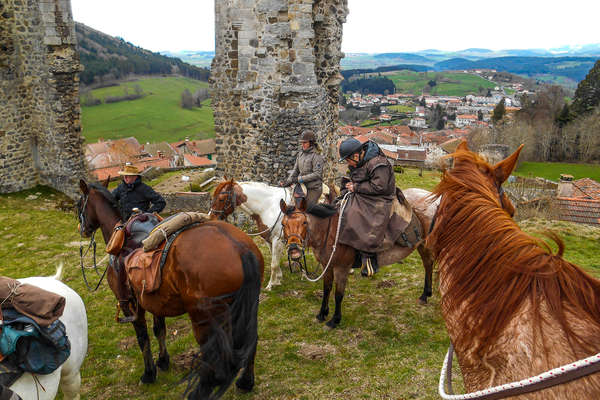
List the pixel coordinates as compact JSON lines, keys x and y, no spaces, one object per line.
{"x":583,"y":211}
{"x":589,"y":187}
{"x":103,"y":173}
{"x":198,"y":161}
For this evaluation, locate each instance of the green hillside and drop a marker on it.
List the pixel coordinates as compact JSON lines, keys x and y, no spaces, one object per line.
{"x":155,"y":117}
{"x":552,"y":171}
{"x":447,"y":84}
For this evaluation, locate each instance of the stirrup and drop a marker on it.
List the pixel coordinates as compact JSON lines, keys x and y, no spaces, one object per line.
{"x":126,"y":319}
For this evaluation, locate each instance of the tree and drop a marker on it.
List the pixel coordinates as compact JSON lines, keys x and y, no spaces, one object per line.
{"x":479,"y":115}
{"x":499,"y":111}
{"x":187,"y":101}
{"x":587,"y":95}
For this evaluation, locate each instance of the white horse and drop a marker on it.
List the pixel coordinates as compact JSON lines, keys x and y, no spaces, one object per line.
{"x":45,"y":387}
{"x":261,"y":202}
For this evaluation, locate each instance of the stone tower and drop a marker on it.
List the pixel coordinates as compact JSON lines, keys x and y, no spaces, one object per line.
{"x":275,"y":73}
{"x":40,"y":141}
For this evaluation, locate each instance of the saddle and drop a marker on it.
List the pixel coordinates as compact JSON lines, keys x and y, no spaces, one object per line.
{"x":148,"y":241}
{"x":42,"y":306}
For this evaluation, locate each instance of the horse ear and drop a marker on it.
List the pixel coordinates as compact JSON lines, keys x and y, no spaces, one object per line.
{"x":504,"y":168}
{"x":283,"y":206}
{"x":83,"y":187}
{"x":302,"y":204}
{"x":462,"y":146}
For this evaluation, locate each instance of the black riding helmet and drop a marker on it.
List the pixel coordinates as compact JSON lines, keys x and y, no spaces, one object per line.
{"x":349,"y":147}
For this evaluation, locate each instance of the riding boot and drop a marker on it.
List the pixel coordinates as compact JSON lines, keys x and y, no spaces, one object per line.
{"x":369,"y":264}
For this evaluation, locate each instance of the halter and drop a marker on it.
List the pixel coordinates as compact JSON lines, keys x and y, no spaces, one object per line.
{"x":231,"y":201}
{"x":301,"y":247}
{"x":92,"y":244}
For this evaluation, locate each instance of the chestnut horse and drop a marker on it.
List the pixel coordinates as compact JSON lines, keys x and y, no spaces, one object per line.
{"x":213,"y":272}
{"x":317,"y":229}
{"x":513,"y":309}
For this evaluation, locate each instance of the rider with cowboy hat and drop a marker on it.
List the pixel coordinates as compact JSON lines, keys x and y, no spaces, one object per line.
{"x":367,"y":213}
{"x":307,"y":173}
{"x":132,"y":193}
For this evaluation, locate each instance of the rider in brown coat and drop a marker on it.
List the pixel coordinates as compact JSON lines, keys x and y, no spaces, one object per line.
{"x":308,"y":170}
{"x":367,"y":212}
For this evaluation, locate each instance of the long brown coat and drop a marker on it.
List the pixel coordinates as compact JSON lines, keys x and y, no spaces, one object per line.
{"x":367,"y":214}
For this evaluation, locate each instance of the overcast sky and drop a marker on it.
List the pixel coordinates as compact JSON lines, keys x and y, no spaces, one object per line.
{"x":373,"y":26}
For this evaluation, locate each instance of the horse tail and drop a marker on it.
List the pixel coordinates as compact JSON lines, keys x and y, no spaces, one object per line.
{"x":232,"y":339}
{"x":59,"y":272}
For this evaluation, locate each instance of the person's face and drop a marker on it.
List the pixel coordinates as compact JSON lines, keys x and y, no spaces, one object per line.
{"x":305,"y":145}
{"x":352,"y":161}
{"x":129,"y":179}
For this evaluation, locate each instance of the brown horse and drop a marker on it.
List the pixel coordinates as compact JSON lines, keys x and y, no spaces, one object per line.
{"x":317,"y":229}
{"x":213,"y":272}
{"x":513,"y":309}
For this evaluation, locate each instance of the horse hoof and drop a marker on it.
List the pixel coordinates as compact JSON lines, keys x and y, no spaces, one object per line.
{"x":332,"y":324}
{"x":148,"y":377}
{"x":321,"y":317}
{"x":163,"y":363}
{"x":422,"y":302}
{"x":245,"y":385}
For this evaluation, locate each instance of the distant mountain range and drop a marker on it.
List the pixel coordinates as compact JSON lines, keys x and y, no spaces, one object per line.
{"x":565,"y":65}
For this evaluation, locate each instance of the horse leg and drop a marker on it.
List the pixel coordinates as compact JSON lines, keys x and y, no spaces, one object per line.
{"x":327,"y":285}
{"x":427,"y":259}
{"x":276,"y":275}
{"x":160,"y":332}
{"x":341,"y":277}
{"x":246,"y":382}
{"x":141,"y":332}
{"x":70,"y":385}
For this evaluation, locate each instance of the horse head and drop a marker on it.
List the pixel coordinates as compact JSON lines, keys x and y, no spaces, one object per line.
{"x":295,"y":228}
{"x":494,"y":176}
{"x":227,"y":196}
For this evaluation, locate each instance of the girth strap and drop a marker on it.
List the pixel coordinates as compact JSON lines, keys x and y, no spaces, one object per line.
{"x":170,"y":240}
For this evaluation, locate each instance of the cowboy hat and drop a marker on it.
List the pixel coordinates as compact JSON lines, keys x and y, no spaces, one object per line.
{"x":130,"y":170}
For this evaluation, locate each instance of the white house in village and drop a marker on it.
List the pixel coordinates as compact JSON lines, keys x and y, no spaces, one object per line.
{"x":418,"y":123}
{"x":466,"y":120}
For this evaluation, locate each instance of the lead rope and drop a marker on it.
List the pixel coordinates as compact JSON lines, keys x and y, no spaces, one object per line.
{"x":576,"y":369}
{"x":276,"y":219}
{"x":337,"y":235}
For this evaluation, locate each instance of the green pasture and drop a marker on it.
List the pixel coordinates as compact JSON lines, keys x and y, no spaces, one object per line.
{"x":459,"y":84}
{"x":552,"y":171}
{"x":387,"y":346}
{"x":400,"y":108}
{"x":156,"y":117}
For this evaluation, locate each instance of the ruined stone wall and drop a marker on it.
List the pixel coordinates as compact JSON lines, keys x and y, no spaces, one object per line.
{"x":275,"y":74}
{"x":40,"y":141}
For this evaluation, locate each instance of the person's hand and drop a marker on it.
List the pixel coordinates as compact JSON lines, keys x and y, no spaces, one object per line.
{"x":281,"y":184}
{"x":350,"y":186}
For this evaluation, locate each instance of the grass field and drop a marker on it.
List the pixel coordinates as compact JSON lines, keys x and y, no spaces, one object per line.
{"x":387,"y":346}
{"x":155,"y":117}
{"x":459,"y":84}
{"x":552,"y":171}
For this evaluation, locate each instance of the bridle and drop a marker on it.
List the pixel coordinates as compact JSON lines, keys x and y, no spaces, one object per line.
{"x":295,"y":246}
{"x":91,"y":245}
{"x":230,"y":201}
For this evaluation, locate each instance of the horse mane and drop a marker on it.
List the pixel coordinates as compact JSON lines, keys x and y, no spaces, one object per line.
{"x":322,"y":210}
{"x":105,"y":193}
{"x":221,"y":186}
{"x":491,"y":267}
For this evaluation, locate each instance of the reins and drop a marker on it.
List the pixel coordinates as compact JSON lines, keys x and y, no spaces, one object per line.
{"x":276,"y":219}
{"x":553,"y":377}
{"x":91,"y":245}
{"x":337,"y":235}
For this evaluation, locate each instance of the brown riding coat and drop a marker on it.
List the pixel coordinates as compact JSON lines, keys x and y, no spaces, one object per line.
{"x":366,"y":217}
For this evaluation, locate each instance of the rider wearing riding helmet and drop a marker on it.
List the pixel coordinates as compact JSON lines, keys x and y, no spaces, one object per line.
{"x":367,"y":212}
{"x":308,"y":171}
